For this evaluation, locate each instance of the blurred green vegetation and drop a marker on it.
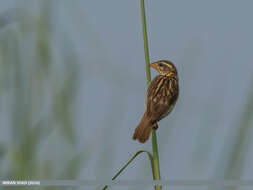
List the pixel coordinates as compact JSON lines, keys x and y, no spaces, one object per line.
{"x":240,"y":140}
{"x":38,"y":95}
{"x":39,"y":81}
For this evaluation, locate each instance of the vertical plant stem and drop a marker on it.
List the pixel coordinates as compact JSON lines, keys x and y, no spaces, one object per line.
{"x":156,"y":172}
{"x":145,"y":38}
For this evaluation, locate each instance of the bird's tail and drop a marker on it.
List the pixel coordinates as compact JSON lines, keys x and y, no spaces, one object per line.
{"x":143,"y":130}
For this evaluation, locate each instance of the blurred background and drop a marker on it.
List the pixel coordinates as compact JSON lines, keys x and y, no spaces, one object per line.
{"x":72,"y":89}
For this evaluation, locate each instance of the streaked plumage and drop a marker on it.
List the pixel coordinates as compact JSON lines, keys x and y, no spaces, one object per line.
{"x":161,"y":98}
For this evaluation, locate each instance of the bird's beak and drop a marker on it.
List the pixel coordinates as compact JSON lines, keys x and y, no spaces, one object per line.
{"x":154,"y":65}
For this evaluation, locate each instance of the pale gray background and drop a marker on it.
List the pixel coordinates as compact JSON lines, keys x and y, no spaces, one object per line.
{"x":209,"y":133}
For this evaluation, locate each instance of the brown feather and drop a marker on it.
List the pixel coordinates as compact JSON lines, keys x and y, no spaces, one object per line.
{"x":143,"y":130}
{"x":161,"y":97}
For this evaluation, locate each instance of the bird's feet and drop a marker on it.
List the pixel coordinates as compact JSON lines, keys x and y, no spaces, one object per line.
{"x":155,"y":126}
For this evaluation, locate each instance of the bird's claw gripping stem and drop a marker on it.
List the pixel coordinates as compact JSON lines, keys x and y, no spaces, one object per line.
{"x":155,"y":126}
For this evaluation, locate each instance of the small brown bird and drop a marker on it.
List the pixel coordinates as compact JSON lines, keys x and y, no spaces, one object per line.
{"x":161,"y":98}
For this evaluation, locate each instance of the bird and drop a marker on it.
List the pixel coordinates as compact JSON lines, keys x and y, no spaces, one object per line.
{"x":161,"y":97}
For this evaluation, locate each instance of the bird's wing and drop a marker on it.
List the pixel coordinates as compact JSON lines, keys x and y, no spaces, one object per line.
{"x":161,"y":97}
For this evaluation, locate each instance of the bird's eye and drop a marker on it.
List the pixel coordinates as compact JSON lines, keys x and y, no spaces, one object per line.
{"x":160,"y":65}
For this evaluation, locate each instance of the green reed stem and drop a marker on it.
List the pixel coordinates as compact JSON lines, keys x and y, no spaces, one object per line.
{"x":129,"y":161}
{"x":156,"y":172}
{"x":154,"y":159}
{"x":145,"y":38}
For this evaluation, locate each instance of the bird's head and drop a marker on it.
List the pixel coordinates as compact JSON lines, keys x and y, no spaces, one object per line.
{"x":164,"y":67}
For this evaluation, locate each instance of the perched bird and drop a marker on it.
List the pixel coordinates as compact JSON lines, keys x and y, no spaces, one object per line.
{"x":161,"y":97}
